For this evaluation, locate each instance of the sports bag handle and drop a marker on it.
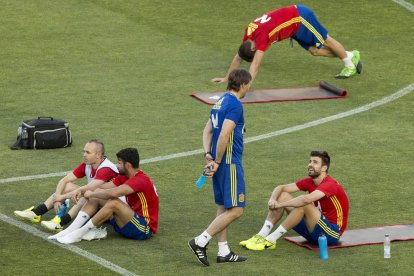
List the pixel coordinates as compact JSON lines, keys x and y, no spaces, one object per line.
{"x":44,"y":117}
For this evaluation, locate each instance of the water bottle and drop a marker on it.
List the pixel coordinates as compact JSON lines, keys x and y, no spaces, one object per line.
{"x":387,"y":247}
{"x":323,"y":247}
{"x":63,"y":207}
{"x":200,"y":182}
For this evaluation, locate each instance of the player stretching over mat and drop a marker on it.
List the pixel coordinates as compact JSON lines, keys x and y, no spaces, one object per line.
{"x":323,"y":210}
{"x":223,"y":146}
{"x":296,"y":22}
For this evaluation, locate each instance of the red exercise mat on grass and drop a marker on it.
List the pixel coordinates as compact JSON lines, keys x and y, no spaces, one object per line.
{"x":321,"y":92}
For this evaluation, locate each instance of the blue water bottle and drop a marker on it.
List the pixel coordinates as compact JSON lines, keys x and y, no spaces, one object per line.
{"x":323,"y":247}
{"x":200,"y":182}
{"x":63,"y":207}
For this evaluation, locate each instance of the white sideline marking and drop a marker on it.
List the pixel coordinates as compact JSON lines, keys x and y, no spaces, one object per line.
{"x":405,"y":4}
{"x":32,"y":230}
{"x":122,"y":271}
{"x":351,"y":112}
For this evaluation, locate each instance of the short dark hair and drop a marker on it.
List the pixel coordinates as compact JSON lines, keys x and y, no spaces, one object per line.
{"x":326,"y":160}
{"x":245,"y":51}
{"x":237,"y":78}
{"x":129,"y":155}
{"x":99,"y":146}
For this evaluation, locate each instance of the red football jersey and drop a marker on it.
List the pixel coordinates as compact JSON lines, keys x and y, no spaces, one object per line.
{"x":334,"y":205}
{"x":272,"y":27}
{"x":144,"y":199}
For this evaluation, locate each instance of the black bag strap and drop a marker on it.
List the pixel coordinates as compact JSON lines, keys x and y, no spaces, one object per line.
{"x":18,"y":144}
{"x":45,"y":117}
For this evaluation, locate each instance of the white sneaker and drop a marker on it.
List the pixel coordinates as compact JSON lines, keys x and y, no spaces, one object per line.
{"x":28,"y":214}
{"x":58,"y":235}
{"x":68,"y":239}
{"x":95,"y":234}
{"x":52,"y":225}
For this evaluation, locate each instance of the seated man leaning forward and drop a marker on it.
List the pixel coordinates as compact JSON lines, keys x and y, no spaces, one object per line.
{"x":323,"y":211}
{"x":136,"y":220}
{"x":95,"y":167}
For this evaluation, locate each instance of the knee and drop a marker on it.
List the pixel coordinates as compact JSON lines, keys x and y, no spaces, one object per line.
{"x":313,"y":51}
{"x":284,"y":196}
{"x":111,"y":204}
{"x":237,"y":212}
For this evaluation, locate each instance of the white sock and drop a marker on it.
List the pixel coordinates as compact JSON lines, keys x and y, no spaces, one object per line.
{"x":77,"y":234}
{"x":77,"y":223}
{"x":224,"y":249}
{"x":203,"y":239}
{"x":276,"y":234}
{"x":267,"y":227}
{"x":348,"y":60}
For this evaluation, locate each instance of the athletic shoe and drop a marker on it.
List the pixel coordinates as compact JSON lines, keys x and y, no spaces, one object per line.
{"x":53,"y":224}
{"x":68,"y":239}
{"x":58,"y":235}
{"x":95,"y":234}
{"x":28,"y":214}
{"x":346,"y":73}
{"x":261,"y":244}
{"x":231,"y":258}
{"x":199,"y":251}
{"x":252,"y":239}
{"x":356,"y":60}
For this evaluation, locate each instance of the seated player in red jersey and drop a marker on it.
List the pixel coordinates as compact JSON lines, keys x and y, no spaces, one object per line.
{"x":298,"y":23}
{"x":324,"y":210}
{"x":137,"y":219}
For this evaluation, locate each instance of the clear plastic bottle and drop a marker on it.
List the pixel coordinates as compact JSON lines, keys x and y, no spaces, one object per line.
{"x":387,"y":247}
{"x":323,"y":247}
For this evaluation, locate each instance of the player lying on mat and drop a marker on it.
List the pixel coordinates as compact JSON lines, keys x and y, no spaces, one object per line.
{"x":323,"y":210}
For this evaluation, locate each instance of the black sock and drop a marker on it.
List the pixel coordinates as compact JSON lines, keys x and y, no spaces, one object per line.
{"x":65,"y":219}
{"x":40,"y":210}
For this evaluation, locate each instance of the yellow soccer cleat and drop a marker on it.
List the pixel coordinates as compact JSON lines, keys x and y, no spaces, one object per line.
{"x":356,"y":60}
{"x":260,"y":244}
{"x":28,"y":214}
{"x":53,"y":224}
{"x":252,"y":239}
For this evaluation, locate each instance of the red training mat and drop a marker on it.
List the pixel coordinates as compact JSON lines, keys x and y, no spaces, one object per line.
{"x":364,"y":236}
{"x":321,"y":92}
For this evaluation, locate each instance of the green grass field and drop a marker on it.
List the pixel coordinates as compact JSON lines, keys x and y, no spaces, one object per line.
{"x":122,"y":71}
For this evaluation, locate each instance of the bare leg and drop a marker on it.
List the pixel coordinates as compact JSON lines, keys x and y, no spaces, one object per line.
{"x":223,"y":220}
{"x":116,"y":208}
{"x":222,"y":235}
{"x":73,"y":212}
{"x":331,"y":48}
{"x":309,"y":213}
{"x":69,"y":187}
{"x":274,"y":215}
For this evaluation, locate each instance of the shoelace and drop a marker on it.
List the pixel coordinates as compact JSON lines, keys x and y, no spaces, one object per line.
{"x":260,"y":240}
{"x":98,"y":233}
